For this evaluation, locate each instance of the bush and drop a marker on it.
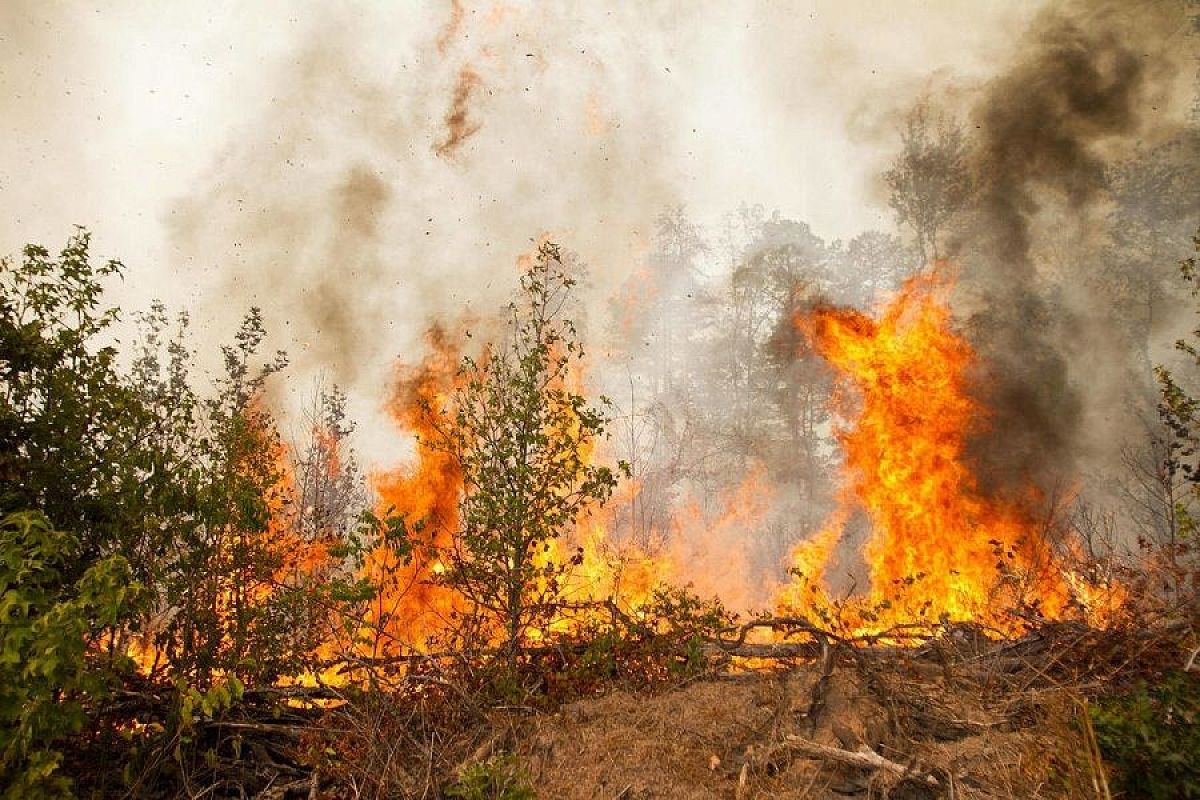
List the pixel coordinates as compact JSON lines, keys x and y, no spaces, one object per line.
{"x":48,"y":667}
{"x":498,"y":778}
{"x":194,"y":491}
{"x":1151,"y":737}
{"x":521,"y":438}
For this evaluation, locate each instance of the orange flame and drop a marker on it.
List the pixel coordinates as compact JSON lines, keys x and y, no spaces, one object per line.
{"x":711,"y":551}
{"x":810,"y":560}
{"x":411,"y":608}
{"x":940,"y":548}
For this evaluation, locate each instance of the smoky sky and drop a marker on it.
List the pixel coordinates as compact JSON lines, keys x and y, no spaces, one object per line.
{"x":363,"y":171}
{"x":1089,"y":82}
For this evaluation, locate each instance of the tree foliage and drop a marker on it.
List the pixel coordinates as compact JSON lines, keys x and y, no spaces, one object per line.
{"x":1180,"y":412}
{"x":72,"y":431}
{"x":50,"y":671}
{"x":523,"y":438}
{"x":929,"y":180}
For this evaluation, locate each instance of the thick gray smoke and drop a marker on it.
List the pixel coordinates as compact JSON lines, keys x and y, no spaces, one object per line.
{"x":1090,"y":81}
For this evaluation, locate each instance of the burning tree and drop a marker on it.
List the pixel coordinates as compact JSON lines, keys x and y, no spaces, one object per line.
{"x":522,"y":438}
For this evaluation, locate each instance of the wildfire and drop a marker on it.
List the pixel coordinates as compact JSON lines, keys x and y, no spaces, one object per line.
{"x":940,"y":548}
{"x":710,"y":550}
{"x":299,"y":554}
{"x":810,"y":559}
{"x":411,"y":607}
{"x":414,"y":610}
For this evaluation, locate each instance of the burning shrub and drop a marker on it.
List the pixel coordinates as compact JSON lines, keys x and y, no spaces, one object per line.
{"x":521,"y":438}
{"x":196,"y":492}
{"x":661,"y":641}
{"x":243,"y":559}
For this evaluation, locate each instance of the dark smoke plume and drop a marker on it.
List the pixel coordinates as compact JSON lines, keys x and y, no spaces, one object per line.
{"x":1081,"y":89}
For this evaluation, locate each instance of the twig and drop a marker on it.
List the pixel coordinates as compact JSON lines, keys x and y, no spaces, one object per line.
{"x":1191,"y":662}
{"x":1095,"y":760}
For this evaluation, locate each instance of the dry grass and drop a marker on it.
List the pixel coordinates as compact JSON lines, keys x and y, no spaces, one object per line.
{"x":1005,"y":721}
{"x":957,"y":717}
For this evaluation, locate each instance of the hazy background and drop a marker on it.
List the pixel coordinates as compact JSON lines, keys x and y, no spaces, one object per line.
{"x":305,"y":159}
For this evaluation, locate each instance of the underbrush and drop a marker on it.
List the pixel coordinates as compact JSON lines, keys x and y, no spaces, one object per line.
{"x":498,"y":778}
{"x":1150,"y":736}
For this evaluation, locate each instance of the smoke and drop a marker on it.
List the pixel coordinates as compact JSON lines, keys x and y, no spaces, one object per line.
{"x":452,"y":28}
{"x":1090,"y":80}
{"x":378,"y":190}
{"x":459,"y":124}
{"x":287,"y":156}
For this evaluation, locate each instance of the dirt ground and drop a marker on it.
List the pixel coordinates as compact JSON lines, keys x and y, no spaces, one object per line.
{"x":728,"y":737}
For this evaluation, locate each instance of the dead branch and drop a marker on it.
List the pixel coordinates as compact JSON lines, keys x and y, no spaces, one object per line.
{"x":291,"y":731}
{"x":778,"y":650}
{"x":789,"y":624}
{"x":820,"y":689}
{"x":864,"y":757}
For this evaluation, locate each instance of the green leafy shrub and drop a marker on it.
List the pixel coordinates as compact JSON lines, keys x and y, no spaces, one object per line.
{"x":1151,"y":737}
{"x":238,"y":542}
{"x":520,"y":437}
{"x":498,"y":778}
{"x":49,"y":672}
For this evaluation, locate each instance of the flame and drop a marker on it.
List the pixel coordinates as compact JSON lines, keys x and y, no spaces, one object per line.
{"x":300,"y":558}
{"x":710,"y":550}
{"x":610,"y":570}
{"x":411,"y":608}
{"x":598,"y":569}
{"x":810,"y":559}
{"x":941,"y":549}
